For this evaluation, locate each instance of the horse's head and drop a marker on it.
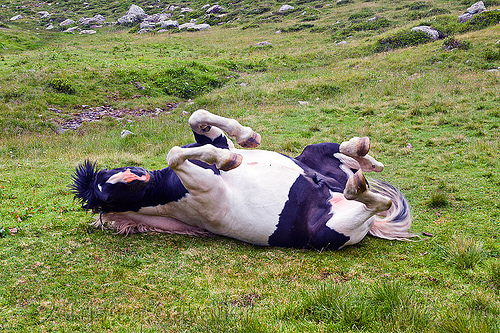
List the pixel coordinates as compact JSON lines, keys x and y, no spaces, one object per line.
{"x":106,"y":190}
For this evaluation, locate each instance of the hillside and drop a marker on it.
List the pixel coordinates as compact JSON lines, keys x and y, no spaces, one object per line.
{"x":320,"y":71}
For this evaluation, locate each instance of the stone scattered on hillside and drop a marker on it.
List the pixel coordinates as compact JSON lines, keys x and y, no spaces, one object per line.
{"x":215,"y":9}
{"x":15,"y":18}
{"x":186,"y":10}
{"x":432,"y":33}
{"x":72,"y":29}
{"x":66,"y":22}
{"x":156,"y":18}
{"x":87,"y":32}
{"x":49,"y":27}
{"x":341,"y":43}
{"x":97,"y":19}
{"x":473,"y":10}
{"x":285,"y":8}
{"x":43,"y":14}
{"x":265,"y":43}
{"x":134,"y":14}
{"x":169,"y":24}
{"x":126,"y":133}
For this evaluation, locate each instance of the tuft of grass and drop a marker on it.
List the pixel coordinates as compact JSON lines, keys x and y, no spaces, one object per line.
{"x":401,"y":39}
{"x":62,"y":85}
{"x":464,"y":252}
{"x":494,"y":273}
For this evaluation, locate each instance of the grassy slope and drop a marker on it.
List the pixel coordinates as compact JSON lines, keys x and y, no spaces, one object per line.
{"x":434,"y":121}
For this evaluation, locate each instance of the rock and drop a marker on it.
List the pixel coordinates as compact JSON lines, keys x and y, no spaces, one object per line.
{"x":147,"y":25}
{"x":97,"y":19}
{"x":285,"y":8}
{"x":143,"y":31}
{"x":200,"y":27}
{"x":473,"y":10}
{"x":265,"y":43}
{"x":156,"y":18}
{"x":493,"y":70}
{"x":341,"y":43}
{"x":49,"y":27}
{"x":186,"y":10}
{"x":134,"y":14}
{"x":87,"y":32}
{"x":215,"y":9}
{"x":126,"y":133}
{"x":43,"y":14}
{"x":186,"y":26}
{"x":72,"y":29}
{"x":15,"y":18}
{"x":169,"y":24}
{"x":432,"y":33}
{"x":66,"y":22}
{"x":205,"y":6}
{"x":304,"y":103}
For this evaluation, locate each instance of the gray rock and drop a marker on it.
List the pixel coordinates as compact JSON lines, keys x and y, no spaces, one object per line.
{"x":87,"y":32}
{"x":126,"y":133}
{"x":73,"y":29}
{"x":15,"y":18}
{"x":265,"y":43}
{"x":97,"y":19}
{"x":215,"y":9}
{"x":66,"y":22}
{"x":285,"y":8}
{"x":186,"y":25}
{"x":49,"y":27}
{"x":203,"y":26}
{"x":147,"y":25}
{"x":186,"y":10}
{"x":134,"y":14}
{"x":156,"y":18}
{"x":169,"y":24}
{"x":473,"y":10}
{"x":43,"y":14}
{"x":432,"y":33}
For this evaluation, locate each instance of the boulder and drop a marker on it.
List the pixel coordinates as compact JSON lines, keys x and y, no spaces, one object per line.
{"x":432,"y":33}
{"x":72,"y":29}
{"x":169,"y":24}
{"x":264,"y":43}
{"x":66,"y":22}
{"x":473,"y":10}
{"x":15,"y":18}
{"x":147,"y":25}
{"x":215,"y":9}
{"x":285,"y":8}
{"x":134,"y":14}
{"x":87,"y":32}
{"x":49,"y":27}
{"x":97,"y":19}
{"x":156,"y":18}
{"x":43,"y":14}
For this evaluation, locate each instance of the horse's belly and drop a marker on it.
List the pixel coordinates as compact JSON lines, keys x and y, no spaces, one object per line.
{"x":259,"y":189}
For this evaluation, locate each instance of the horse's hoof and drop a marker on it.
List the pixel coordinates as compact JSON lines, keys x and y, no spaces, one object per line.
{"x":356,"y":147}
{"x":232,"y":162}
{"x":356,"y":185}
{"x":251,"y":142}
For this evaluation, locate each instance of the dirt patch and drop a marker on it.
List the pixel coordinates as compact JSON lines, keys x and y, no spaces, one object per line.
{"x":70,"y":121}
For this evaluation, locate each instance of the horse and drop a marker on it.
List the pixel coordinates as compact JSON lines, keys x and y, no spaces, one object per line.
{"x":320,"y":199}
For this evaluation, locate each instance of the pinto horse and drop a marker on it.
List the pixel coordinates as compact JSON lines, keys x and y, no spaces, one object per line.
{"x":317,"y":200}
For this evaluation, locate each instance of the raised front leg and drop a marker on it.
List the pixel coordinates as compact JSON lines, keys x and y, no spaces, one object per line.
{"x":356,"y":150}
{"x":205,"y":123}
{"x":223,"y":159}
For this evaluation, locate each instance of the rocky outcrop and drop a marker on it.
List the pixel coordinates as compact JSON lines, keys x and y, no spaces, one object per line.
{"x":473,"y":10}
{"x":17,"y":17}
{"x":285,"y":8}
{"x":66,"y":22}
{"x":96,"y":20}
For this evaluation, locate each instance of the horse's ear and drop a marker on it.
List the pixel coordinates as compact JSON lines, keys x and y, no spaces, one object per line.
{"x":83,"y":186}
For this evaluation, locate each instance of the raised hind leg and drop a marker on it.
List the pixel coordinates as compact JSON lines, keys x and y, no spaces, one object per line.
{"x":211,"y":126}
{"x":353,"y":210}
{"x":356,"y":151}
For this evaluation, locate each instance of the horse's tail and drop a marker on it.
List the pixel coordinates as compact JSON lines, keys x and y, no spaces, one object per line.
{"x":393,"y":224}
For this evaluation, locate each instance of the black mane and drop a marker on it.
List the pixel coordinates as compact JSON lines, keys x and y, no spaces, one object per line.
{"x":84,"y":183}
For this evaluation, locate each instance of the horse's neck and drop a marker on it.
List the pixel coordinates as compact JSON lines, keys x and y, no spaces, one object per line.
{"x":167,"y":187}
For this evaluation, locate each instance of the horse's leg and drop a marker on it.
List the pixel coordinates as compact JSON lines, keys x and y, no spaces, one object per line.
{"x":356,"y":151}
{"x":207,"y":124}
{"x":354,"y":217}
{"x":223,"y":159}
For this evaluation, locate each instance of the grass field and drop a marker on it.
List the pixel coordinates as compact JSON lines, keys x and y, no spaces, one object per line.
{"x":433,"y":116}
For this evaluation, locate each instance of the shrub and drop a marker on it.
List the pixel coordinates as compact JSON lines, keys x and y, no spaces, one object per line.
{"x":452,"y":43}
{"x":481,"y":21}
{"x":402,"y":39}
{"x":62,"y":85}
{"x":297,"y":27}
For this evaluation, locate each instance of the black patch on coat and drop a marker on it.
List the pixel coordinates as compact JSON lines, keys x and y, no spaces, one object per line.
{"x":302,"y":222}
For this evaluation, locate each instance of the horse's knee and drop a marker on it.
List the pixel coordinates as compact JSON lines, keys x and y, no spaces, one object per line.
{"x":174,"y":157}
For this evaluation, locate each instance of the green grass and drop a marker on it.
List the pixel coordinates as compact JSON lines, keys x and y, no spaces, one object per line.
{"x":431,"y":112}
